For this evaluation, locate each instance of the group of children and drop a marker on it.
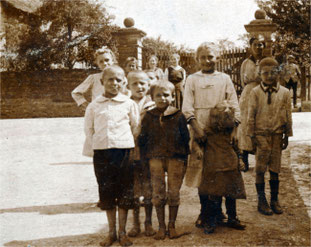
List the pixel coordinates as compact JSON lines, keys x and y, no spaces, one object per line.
{"x":138,"y":130}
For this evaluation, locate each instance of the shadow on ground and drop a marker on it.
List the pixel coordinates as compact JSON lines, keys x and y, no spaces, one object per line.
{"x":73,"y":208}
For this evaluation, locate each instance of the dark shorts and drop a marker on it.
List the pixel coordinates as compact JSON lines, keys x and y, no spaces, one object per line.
{"x":114,"y":176}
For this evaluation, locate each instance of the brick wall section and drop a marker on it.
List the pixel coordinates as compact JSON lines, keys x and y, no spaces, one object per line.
{"x":41,"y":93}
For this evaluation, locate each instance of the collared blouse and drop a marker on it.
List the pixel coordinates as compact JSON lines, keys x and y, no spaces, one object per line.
{"x":203,"y":92}
{"x":110,"y":123}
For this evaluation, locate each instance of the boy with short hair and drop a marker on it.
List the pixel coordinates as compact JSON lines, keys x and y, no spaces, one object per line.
{"x":269,"y":125}
{"x":163,"y":141}
{"x":138,"y":84}
{"x":110,"y":121}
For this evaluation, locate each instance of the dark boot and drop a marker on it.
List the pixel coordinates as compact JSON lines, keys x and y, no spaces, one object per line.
{"x":220,"y":217}
{"x":203,"y":202}
{"x":160,"y":235}
{"x":274,"y":188}
{"x":148,"y":222}
{"x":233,"y":220}
{"x":263,"y":206}
{"x":210,"y":222}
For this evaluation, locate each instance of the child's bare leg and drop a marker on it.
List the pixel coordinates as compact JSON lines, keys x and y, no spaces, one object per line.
{"x":161,"y":219}
{"x":123,"y":239}
{"x":263,"y":206}
{"x":148,"y":222}
{"x":136,"y":227}
{"x":112,"y":237}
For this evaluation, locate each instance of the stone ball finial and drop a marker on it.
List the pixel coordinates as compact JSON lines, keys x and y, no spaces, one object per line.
{"x":129,"y":22}
{"x":260,"y":14}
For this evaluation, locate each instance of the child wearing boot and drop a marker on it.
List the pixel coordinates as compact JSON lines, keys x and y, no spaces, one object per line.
{"x":163,"y":141}
{"x":218,"y":172}
{"x":269,"y":125}
{"x":111,"y":121}
{"x":138,"y":84}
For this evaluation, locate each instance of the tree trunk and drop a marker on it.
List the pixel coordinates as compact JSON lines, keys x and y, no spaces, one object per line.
{"x":303,"y":84}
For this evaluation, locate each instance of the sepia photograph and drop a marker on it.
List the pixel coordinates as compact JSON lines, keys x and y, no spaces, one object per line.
{"x":155,"y":123}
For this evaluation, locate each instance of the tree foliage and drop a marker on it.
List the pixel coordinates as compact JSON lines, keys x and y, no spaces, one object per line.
{"x":293,"y":20}
{"x":64,"y":33}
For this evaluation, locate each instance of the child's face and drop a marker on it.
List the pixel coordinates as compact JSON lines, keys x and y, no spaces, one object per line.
{"x":174,"y":61}
{"x":269,"y":74}
{"x":207,"y":60}
{"x":257,"y":47}
{"x":152,"y":77}
{"x":130,"y":66}
{"x":162,"y":97}
{"x":113,"y":82}
{"x":104,"y":60}
{"x":152,"y":62}
{"x":139,"y":85}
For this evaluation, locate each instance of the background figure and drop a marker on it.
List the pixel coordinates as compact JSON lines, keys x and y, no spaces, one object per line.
{"x":177,"y":75}
{"x":152,"y":67}
{"x":292,"y":76}
{"x":103,"y":58}
{"x":250,"y":78}
{"x":130,"y":64}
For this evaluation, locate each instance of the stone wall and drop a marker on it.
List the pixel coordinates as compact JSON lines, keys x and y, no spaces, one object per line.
{"x":41,"y":93}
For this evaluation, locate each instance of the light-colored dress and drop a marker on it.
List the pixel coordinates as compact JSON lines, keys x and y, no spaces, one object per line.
{"x":158,"y":73}
{"x":93,"y":83}
{"x":218,"y":170}
{"x":250,"y":79}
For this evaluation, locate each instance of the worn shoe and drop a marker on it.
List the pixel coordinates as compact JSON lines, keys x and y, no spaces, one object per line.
{"x":209,"y":228}
{"x":276,"y":208}
{"x":220,"y":219}
{"x":124,"y":240}
{"x":198,"y":222}
{"x":109,"y":240}
{"x":134,"y":232}
{"x":236,"y":224}
{"x":160,"y":235}
{"x":149,"y":230}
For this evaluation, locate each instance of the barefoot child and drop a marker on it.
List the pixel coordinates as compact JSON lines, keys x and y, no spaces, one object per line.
{"x":110,"y":121}
{"x":269,"y":125}
{"x":219,"y":176}
{"x":164,"y":141}
{"x":138,"y":83}
{"x":103,"y":58}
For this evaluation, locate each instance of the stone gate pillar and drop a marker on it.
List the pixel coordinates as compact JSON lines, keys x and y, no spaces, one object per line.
{"x":262,"y":27}
{"x":129,"y":42}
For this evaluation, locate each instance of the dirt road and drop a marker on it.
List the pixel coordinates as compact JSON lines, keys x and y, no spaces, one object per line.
{"x":49,"y":191}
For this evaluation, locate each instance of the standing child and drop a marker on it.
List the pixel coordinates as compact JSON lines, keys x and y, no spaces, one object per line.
{"x":152,"y":67}
{"x":130,"y":64}
{"x":292,"y":76}
{"x":110,"y":121}
{"x":250,"y":78}
{"x":164,"y":141}
{"x":177,"y":75}
{"x":103,"y":58}
{"x":269,"y":125}
{"x":138,"y":83}
{"x":219,"y":175}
